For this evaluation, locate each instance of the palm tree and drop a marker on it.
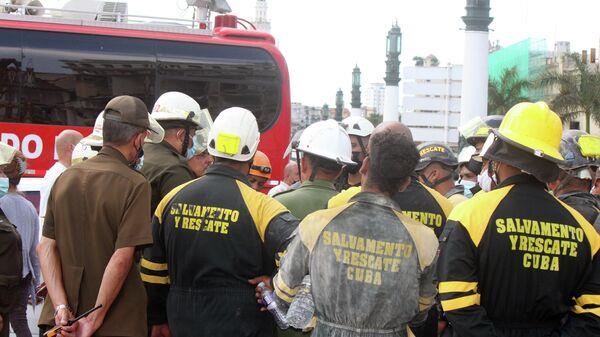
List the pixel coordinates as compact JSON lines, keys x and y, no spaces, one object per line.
{"x":578,"y":91}
{"x":505,"y":93}
{"x":419,"y":61}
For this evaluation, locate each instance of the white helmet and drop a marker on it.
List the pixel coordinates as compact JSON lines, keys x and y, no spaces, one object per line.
{"x":465,"y":154}
{"x":82,"y":152}
{"x":234,"y":135}
{"x":176,"y":106}
{"x":358,"y":126}
{"x":327,"y":139}
{"x":95,"y":138}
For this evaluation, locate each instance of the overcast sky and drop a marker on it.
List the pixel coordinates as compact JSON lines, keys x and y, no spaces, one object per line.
{"x":322,"y":40}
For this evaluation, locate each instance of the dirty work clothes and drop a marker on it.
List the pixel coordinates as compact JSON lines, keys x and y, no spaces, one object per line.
{"x":165,"y":169}
{"x":418,"y":202}
{"x":372,"y":268}
{"x":585,"y":203}
{"x":311,"y":196}
{"x":212,"y":235}
{"x":516,"y":261}
{"x":96,"y":207}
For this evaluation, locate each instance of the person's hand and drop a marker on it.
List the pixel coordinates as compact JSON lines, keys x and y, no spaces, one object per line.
{"x":160,"y":331}
{"x":255,"y":281}
{"x":87,"y":326}
{"x":63,"y":316}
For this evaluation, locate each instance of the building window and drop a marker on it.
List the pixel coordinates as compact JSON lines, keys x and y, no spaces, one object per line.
{"x":574,"y":125}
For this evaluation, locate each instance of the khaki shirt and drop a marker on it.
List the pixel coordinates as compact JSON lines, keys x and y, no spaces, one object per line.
{"x":94,"y":208}
{"x":165,"y":169}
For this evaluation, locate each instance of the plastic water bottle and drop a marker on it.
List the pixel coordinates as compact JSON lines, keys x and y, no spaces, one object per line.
{"x":302,"y":308}
{"x":268,"y":299}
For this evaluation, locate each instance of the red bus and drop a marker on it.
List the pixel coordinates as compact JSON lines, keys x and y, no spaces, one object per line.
{"x":58,"y":73}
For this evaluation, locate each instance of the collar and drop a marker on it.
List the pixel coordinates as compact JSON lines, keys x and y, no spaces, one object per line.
{"x":521,"y":179}
{"x":578,"y":194}
{"x":320,"y":184}
{"x":375,"y":199}
{"x":224,"y":170}
{"x":114,"y":153}
{"x":457,"y":189}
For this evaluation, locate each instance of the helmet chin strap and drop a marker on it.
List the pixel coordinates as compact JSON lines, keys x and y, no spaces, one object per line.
{"x":298,"y":164}
{"x":186,"y":142}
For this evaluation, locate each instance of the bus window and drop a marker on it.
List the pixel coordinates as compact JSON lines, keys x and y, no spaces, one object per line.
{"x":10,"y":63}
{"x":69,"y":78}
{"x":220,"y":76}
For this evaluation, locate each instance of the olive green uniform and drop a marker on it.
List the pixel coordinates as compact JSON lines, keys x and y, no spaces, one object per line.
{"x":310,"y":197}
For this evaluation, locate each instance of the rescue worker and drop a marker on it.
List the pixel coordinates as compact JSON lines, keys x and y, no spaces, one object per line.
{"x":165,"y":164}
{"x":11,"y":260}
{"x":516,"y":261}
{"x":214,"y":237}
{"x":466,"y":174}
{"x":260,"y":171}
{"x":98,"y":216}
{"x":359,"y":130}
{"x":436,"y":168}
{"x":479,"y":130}
{"x":395,"y":285}
{"x":201,"y":159}
{"x":325,"y":148}
{"x":291,"y":175}
{"x":578,"y":172}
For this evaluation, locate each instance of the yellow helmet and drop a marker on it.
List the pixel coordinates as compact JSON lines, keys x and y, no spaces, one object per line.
{"x":535,"y":128}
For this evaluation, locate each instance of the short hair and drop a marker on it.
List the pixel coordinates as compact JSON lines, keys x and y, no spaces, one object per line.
{"x":325,"y":165}
{"x":392,"y":159}
{"x":572,"y":182}
{"x":14,"y":181}
{"x":117,"y":133}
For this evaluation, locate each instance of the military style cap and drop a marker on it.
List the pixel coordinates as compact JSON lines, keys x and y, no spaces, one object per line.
{"x":430,"y":152}
{"x":133,"y":111}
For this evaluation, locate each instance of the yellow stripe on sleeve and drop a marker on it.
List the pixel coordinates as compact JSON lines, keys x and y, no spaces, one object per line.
{"x":444,"y":203}
{"x":425,"y":302}
{"x":282,"y":295}
{"x":590,"y":232}
{"x":461,"y":302}
{"x":155,"y":279}
{"x":312,"y":226}
{"x":579,"y":310}
{"x":588,"y":299}
{"x":262,"y":208}
{"x":279,"y":283}
{"x":457,"y":287}
{"x":153,"y":266}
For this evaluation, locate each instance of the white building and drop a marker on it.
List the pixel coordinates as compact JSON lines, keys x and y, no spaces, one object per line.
{"x":431,"y":102}
{"x":303,"y":116}
{"x":261,"y":21}
{"x":375,"y":98}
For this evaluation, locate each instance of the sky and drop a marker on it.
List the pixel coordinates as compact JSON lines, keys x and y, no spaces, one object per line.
{"x":322,"y":40}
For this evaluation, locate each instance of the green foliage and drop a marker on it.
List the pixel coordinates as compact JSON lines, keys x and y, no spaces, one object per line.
{"x":578,"y":90}
{"x":375,"y":118}
{"x":419,"y":61}
{"x":505,"y":93}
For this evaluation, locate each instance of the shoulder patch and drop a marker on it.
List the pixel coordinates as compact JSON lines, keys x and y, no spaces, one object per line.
{"x":343,"y":197}
{"x":313,"y":224}
{"x":424,"y":238}
{"x":262,"y":208}
{"x":444,"y":203}
{"x":474,"y":214}
{"x":589,"y":230}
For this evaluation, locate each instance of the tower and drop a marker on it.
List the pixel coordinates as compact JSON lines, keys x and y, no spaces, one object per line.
{"x":261,"y":21}
{"x":325,"y":112}
{"x":392,"y":74}
{"x":355,"y":103}
{"x":339,"y":105}
{"x":474,"y":95}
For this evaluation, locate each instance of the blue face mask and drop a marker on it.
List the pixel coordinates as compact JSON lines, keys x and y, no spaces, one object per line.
{"x":139,"y":164}
{"x":22,"y":166}
{"x":468,"y":186}
{"x":3,"y":186}
{"x":190,"y":153}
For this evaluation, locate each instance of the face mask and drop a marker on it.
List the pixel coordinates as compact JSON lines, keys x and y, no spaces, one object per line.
{"x":3,"y":186}
{"x":468,"y":184}
{"x":22,"y":166}
{"x":484,"y":181}
{"x":190,"y":153}
{"x":139,"y":161}
{"x":352,"y":169}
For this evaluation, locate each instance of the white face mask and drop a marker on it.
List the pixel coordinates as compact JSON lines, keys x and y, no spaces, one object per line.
{"x":484,"y":181}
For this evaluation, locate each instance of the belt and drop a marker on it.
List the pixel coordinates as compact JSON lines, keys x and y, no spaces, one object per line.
{"x":360,"y":330}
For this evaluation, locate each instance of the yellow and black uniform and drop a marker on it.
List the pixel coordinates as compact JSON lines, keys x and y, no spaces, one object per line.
{"x":372,"y":268}
{"x":212,"y":235}
{"x":518,"y":262}
{"x":165,"y":169}
{"x":418,"y":202}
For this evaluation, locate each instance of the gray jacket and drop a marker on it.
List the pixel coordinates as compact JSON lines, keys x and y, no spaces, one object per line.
{"x":372,"y":268}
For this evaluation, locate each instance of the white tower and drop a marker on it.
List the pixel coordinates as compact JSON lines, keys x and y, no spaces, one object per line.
{"x":474,"y":95}
{"x":261,"y":21}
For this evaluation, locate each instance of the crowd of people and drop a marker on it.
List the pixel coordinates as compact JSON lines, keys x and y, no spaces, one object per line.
{"x":161,"y":221}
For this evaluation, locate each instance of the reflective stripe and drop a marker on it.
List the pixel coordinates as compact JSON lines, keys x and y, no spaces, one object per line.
{"x":457,"y":287}
{"x":461,"y":302}
{"x":153,"y":266}
{"x":579,"y":310}
{"x":278,"y":282}
{"x":155,"y":279}
{"x":588,"y":299}
{"x":282,"y":295}
{"x":425,"y":302}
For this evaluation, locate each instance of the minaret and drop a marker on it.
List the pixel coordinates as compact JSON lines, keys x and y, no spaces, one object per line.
{"x":392,"y":74}
{"x":355,"y":103}
{"x":339,"y":105}
{"x":261,"y":21}
{"x":325,"y":112}
{"x":474,"y":95}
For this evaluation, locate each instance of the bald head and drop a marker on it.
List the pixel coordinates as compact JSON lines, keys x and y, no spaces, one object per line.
{"x":65,"y":143}
{"x":290,"y":173}
{"x":396,"y":128}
